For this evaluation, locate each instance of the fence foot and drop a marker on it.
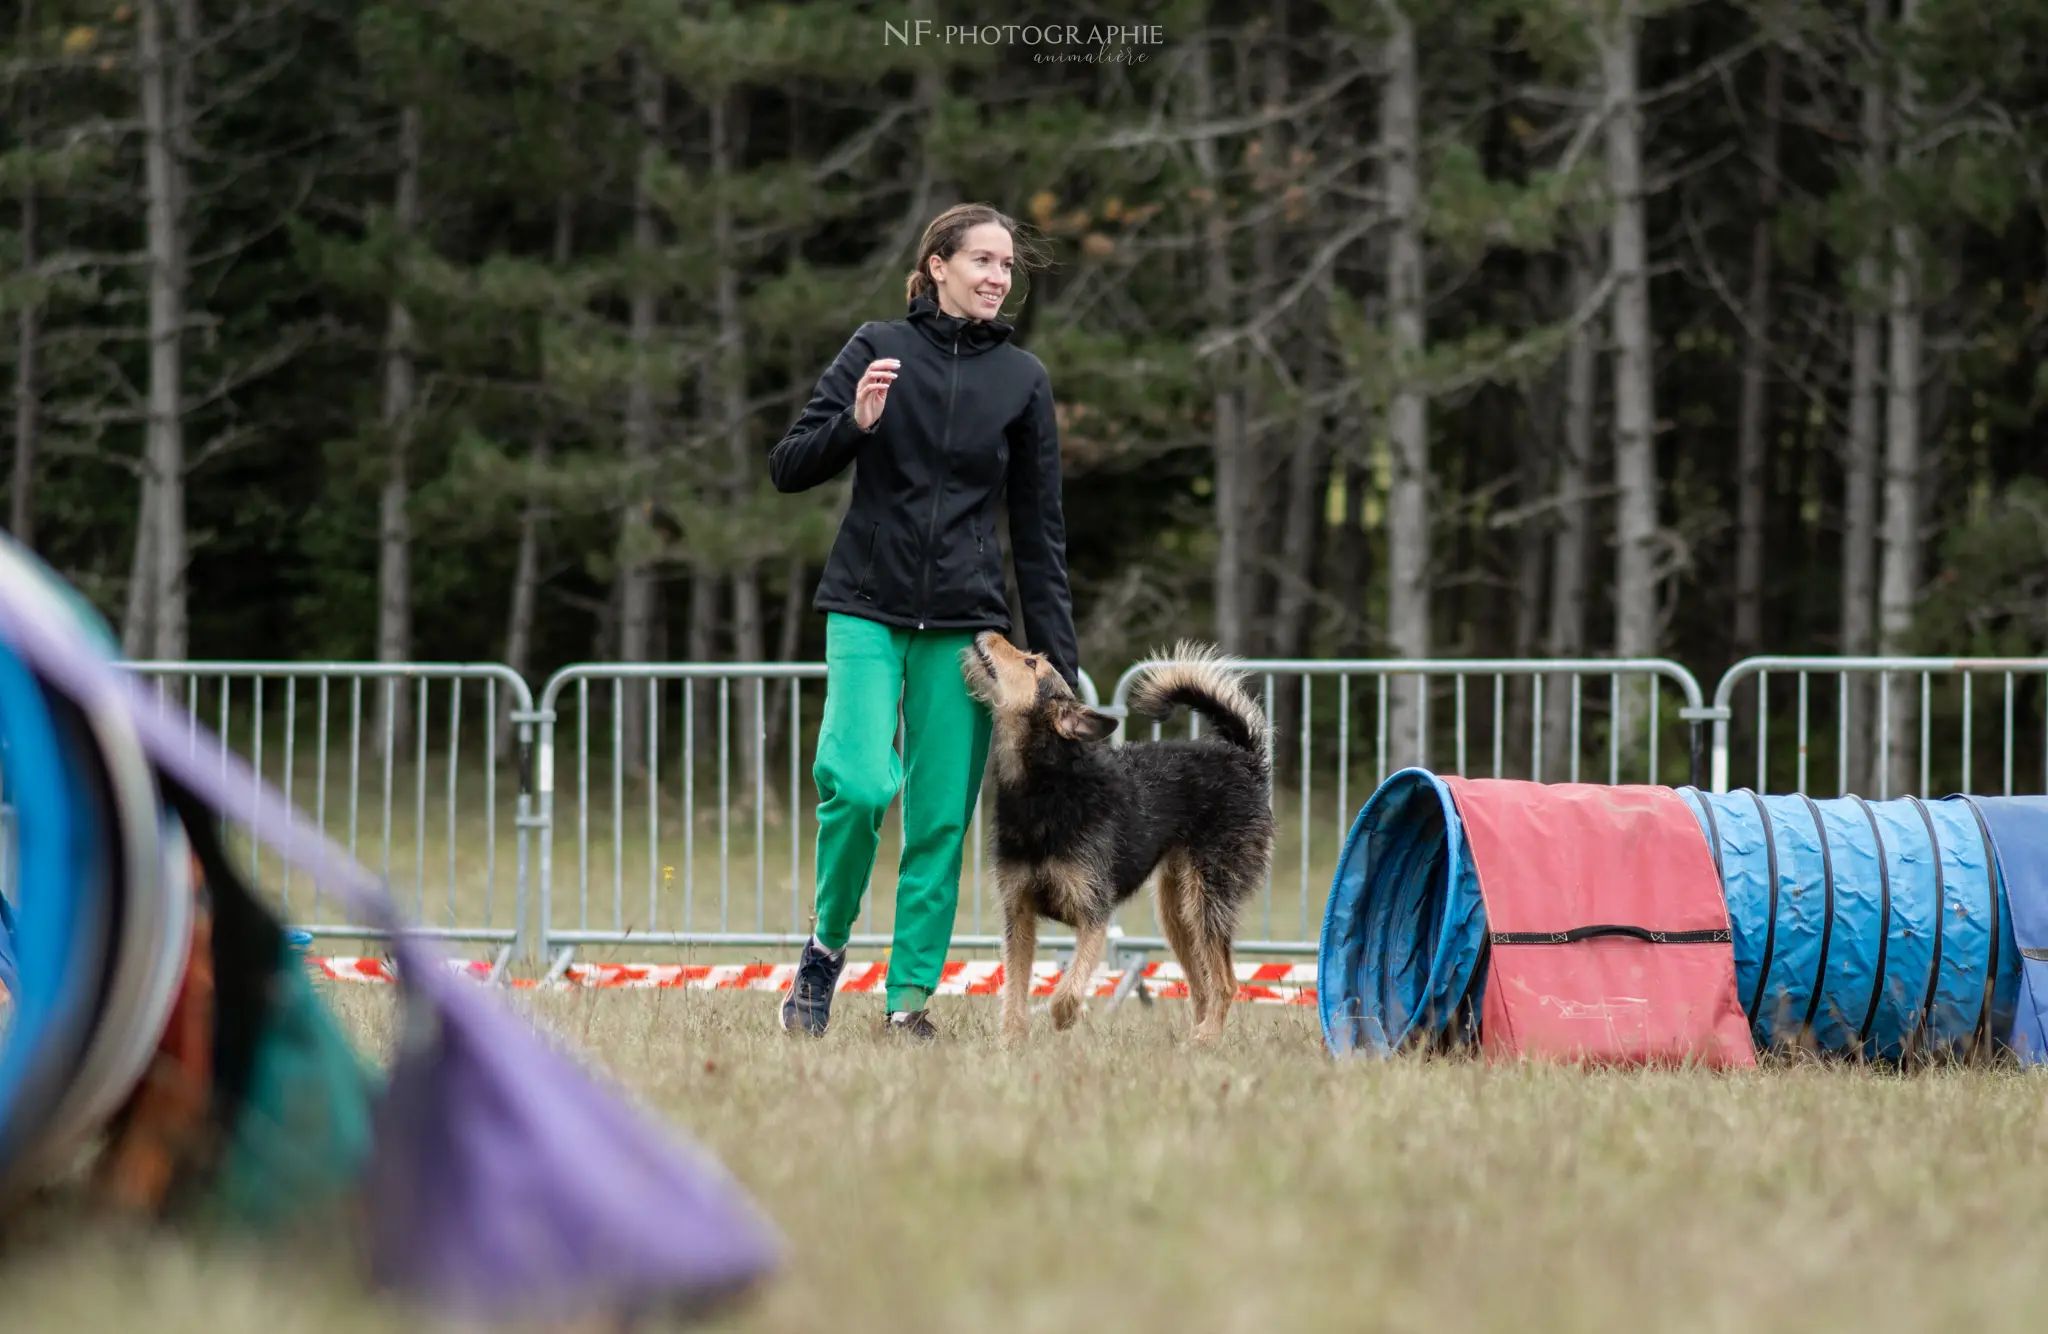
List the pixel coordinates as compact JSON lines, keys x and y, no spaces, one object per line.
{"x":497,"y":978}
{"x":1131,"y":983}
{"x":560,"y":967}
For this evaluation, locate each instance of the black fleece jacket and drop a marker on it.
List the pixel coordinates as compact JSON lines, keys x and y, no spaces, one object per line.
{"x":969,"y":417}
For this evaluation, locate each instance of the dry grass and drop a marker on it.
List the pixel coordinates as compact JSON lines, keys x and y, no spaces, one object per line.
{"x":1113,"y":1179}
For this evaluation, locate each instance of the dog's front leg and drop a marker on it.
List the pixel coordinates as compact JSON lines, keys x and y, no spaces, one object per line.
{"x":1073,"y":984}
{"x":1020,"y":950}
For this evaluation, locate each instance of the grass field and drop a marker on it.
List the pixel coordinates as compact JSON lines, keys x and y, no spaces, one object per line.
{"x":1113,"y":1179}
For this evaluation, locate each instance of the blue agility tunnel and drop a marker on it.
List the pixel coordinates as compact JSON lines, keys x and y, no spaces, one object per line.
{"x":1400,"y":958}
{"x":1876,"y":930}
{"x":1880,"y":928}
{"x":2018,"y":828}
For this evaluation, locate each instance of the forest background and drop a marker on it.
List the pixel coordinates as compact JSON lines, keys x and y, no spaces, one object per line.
{"x":460,"y":329}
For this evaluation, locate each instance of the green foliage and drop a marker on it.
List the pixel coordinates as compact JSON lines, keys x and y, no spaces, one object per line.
{"x":1990,"y":598}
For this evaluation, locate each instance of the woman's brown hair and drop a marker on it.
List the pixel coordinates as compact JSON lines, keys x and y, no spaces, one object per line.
{"x":943,"y":237}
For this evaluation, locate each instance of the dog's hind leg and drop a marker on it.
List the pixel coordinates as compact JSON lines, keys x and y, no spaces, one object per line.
{"x":1222,"y":971}
{"x":1209,"y":926}
{"x":1073,"y":984}
{"x":1176,"y":923}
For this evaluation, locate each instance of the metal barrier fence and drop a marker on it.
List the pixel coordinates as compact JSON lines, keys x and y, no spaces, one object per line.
{"x":1885,"y":739}
{"x":1515,"y":724}
{"x":269,"y":729}
{"x":747,"y":734}
{"x":699,"y":824}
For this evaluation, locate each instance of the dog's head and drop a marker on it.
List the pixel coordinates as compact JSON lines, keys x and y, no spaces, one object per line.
{"x":1022,"y":687}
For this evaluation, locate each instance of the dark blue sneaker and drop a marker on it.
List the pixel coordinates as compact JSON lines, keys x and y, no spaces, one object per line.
{"x":808,"y":1006}
{"x":911,"y":1024}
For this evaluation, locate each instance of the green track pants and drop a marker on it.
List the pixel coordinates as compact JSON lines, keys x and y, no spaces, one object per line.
{"x":869,"y":669}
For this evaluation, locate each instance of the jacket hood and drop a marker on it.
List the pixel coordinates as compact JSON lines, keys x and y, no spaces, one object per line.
{"x":973,"y":336}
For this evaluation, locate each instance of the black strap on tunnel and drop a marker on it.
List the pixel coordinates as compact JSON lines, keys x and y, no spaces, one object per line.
{"x":1713,"y":837}
{"x":1763,"y":971}
{"x":1884,"y":921}
{"x":1926,"y":1019}
{"x":1827,"y":924}
{"x":1982,"y":1026}
{"x":1710,"y":936}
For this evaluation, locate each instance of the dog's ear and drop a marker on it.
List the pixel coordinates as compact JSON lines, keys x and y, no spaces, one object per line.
{"x":1082,"y":723}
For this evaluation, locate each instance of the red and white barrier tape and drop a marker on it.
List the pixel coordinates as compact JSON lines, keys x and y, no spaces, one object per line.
{"x":1257,"y":983}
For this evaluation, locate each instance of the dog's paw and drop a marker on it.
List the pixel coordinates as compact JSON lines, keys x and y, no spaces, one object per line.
{"x":1015,"y":1028}
{"x":1065,"y":1011}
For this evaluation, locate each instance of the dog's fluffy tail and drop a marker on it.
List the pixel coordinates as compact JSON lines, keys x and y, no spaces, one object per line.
{"x":1198,"y":677}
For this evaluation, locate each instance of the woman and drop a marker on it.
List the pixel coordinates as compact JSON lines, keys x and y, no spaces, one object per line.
{"x":941,"y":414}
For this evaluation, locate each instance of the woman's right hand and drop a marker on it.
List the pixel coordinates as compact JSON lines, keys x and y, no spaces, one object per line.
{"x":873,"y":392}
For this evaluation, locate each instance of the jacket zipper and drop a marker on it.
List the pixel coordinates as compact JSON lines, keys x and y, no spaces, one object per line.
{"x":931,"y":527}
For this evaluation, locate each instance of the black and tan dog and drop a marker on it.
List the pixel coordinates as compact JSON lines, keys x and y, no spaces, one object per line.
{"x":1080,"y":827}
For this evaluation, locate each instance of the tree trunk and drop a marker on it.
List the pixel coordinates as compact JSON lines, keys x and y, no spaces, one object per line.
{"x":1408,"y":526}
{"x":27,"y":389}
{"x":1752,"y":438}
{"x":788,"y":639}
{"x":1228,"y":439}
{"x":526,"y":565}
{"x":138,"y":619}
{"x":394,"y":521}
{"x":1859,"y":467}
{"x":748,"y":632}
{"x":1354,"y":552}
{"x":1635,"y":445}
{"x":1572,"y":553}
{"x":635,"y":575}
{"x":1899,"y":587}
{"x":1531,"y":564}
{"x":162,"y":525}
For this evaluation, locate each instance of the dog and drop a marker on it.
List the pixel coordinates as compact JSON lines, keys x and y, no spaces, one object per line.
{"x":1079,"y":827}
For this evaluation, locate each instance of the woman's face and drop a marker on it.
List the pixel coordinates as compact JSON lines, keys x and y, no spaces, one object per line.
{"x":973,"y":283}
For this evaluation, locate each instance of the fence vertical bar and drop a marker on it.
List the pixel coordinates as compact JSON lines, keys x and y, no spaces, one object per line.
{"x":355,"y":754}
{"x":1842,"y":734}
{"x":419,"y":826}
{"x":320,"y":787}
{"x":454,"y":764}
{"x":291,"y":720}
{"x":689,"y":804}
{"x":1382,"y":775}
{"x":2008,"y":733}
{"x":1613,"y":728}
{"x":724,"y":803}
{"x":1763,"y":732}
{"x":796,"y":817}
{"x":1926,"y":728}
{"x":1500,"y":724}
{"x":1884,"y":736}
{"x":1343,"y":759}
{"x":1805,"y":746}
{"x":618,"y":803}
{"x":1966,"y":732}
{"x":653,"y":796}
{"x":1656,"y":722}
{"x":1578,"y":708}
{"x":491,"y":803}
{"x":583,"y":802}
{"x":760,"y":763}
{"x":1306,"y":682}
{"x":1458,"y":693}
{"x":390,"y":759}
